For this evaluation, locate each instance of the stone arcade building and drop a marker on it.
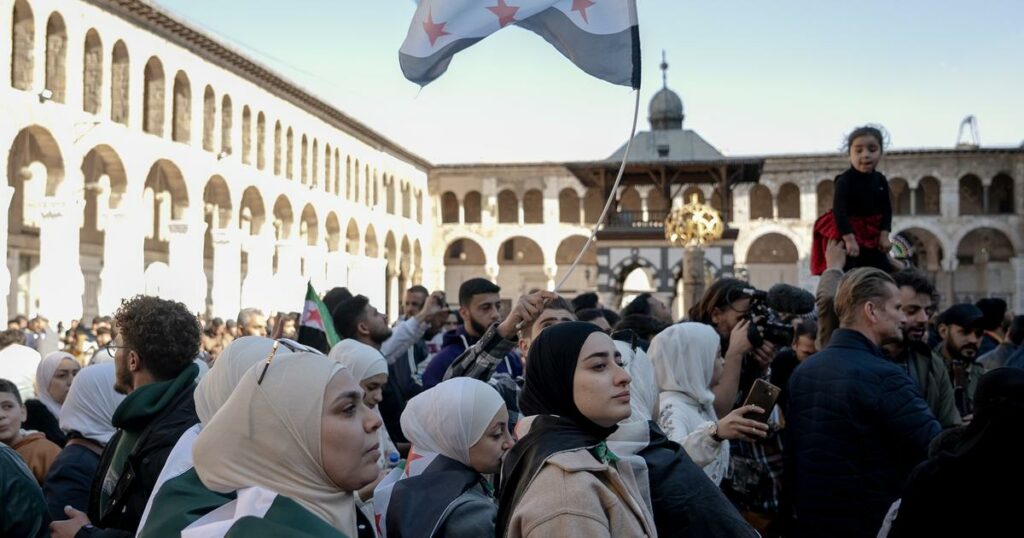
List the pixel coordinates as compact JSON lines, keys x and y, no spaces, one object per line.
{"x":142,"y":156}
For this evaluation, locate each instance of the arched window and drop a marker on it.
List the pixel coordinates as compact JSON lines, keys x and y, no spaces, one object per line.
{"x":972,"y":196}
{"x":304,"y":160}
{"x":472,"y":207}
{"x":533,"y":207}
{"x":209,"y":118}
{"x":182,"y":112}
{"x":928,"y":197}
{"x":761,"y":203}
{"x":261,"y":141}
{"x":508,"y":207}
{"x":119,"y":75}
{"x":227,"y":119}
{"x":1000,"y":195}
{"x":23,"y":38}
{"x":56,"y":57}
{"x":277,"y":148}
{"x":899,"y":196}
{"x":593,"y":203}
{"x":153,"y":97}
{"x":246,"y":135}
{"x":825,"y":191}
{"x":568,"y":207}
{"x":789,"y":201}
{"x":327,"y":167}
{"x":449,"y":208}
{"x":315,"y":157}
{"x":92,"y":73}
{"x":289,"y":165}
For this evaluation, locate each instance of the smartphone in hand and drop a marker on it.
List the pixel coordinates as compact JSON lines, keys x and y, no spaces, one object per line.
{"x":764,"y":395}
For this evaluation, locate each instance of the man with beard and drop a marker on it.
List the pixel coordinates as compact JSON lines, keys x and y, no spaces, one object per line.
{"x":960,"y":328}
{"x":927,"y":370}
{"x":155,"y":344}
{"x":480,"y":307}
{"x":856,"y":424}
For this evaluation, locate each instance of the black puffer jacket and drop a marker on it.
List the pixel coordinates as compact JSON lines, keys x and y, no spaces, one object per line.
{"x":856,"y":427}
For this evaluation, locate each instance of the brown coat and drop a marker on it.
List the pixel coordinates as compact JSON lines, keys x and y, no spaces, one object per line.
{"x":574,"y":495}
{"x":38,"y":453}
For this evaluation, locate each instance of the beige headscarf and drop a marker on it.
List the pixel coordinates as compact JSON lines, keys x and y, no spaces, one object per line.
{"x":268,"y":435}
{"x":362,"y":360}
{"x":216,"y":386}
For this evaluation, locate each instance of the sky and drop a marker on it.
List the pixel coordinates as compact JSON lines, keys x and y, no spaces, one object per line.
{"x":756,"y":77}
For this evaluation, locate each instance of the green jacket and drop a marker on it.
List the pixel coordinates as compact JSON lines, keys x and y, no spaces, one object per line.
{"x":929,"y":374}
{"x":963,"y":396}
{"x":22,"y":508}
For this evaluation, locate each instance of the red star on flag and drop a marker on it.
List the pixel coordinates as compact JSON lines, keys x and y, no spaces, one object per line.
{"x":434,"y":30}
{"x":506,"y":14}
{"x":582,"y":6}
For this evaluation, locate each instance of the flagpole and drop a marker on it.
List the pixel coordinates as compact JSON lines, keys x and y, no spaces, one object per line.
{"x":611,"y":197}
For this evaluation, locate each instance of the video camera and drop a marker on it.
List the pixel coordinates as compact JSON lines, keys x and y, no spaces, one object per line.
{"x":769,"y":312}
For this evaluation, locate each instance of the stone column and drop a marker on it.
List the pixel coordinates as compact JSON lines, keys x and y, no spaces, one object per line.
{"x":1018,"y":279}
{"x":336,"y":270}
{"x":316,"y":267}
{"x":393,"y":295}
{"x":693,"y":276}
{"x":6,"y":193}
{"x":227,"y":275}
{"x":258,"y":285}
{"x":289,"y":285}
{"x":187,"y":279}
{"x":492,"y":272}
{"x":981,"y":260}
{"x":60,"y":270}
{"x":123,"y":257}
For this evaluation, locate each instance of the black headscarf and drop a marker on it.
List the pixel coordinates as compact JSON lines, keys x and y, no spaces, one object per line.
{"x":958,"y":478}
{"x":548,"y":392}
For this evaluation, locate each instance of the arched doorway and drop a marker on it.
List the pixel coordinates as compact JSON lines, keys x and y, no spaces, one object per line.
{"x":521,"y":267}
{"x":984,"y":268}
{"x":463,"y":260}
{"x":584,"y":277}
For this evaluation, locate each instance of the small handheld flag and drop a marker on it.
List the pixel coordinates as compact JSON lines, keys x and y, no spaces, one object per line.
{"x":316,"y":327}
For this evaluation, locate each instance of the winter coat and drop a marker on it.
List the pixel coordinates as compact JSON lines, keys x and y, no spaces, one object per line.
{"x":575,"y":495}
{"x":23,"y":510}
{"x":856,"y":427}
{"x":70,"y":478}
{"x":37,"y":452}
{"x":929,"y":374}
{"x":42,"y":420}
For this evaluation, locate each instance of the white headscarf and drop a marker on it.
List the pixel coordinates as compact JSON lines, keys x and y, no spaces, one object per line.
{"x":362,"y":360}
{"x":44,"y":374}
{"x":684,"y":361}
{"x":91,"y":403}
{"x":216,"y":386}
{"x":277,"y":425}
{"x":451,"y":417}
{"x":643,"y":389}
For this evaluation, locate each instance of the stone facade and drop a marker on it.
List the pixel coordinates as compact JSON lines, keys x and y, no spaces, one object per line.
{"x":144,"y":157}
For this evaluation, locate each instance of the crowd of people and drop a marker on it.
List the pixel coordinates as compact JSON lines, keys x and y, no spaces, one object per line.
{"x":875,"y":415}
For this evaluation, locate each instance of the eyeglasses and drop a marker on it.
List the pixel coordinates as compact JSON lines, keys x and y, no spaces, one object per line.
{"x":290,"y":345}
{"x":112,"y":347}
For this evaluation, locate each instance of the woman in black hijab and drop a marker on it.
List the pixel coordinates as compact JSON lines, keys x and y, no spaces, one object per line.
{"x":561,"y":479}
{"x":954,"y":493}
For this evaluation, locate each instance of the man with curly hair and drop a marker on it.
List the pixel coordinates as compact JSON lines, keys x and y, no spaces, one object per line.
{"x":156,"y":343}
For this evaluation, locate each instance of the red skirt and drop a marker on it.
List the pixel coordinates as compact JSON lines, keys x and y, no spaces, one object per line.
{"x":866,"y":229}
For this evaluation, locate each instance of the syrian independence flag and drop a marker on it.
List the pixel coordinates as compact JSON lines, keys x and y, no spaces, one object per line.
{"x":600,"y":36}
{"x":316,"y":328}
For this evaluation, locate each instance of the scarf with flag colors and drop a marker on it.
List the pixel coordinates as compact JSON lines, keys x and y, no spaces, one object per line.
{"x":600,"y":36}
{"x":316,"y":327}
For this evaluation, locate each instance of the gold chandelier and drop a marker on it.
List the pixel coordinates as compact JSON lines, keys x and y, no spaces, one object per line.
{"x":694,"y":224}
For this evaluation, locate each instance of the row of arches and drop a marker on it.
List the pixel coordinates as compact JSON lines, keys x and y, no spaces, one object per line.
{"x":319,"y":166}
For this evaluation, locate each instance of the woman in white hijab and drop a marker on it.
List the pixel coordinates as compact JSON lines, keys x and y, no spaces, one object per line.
{"x":290,"y":445}
{"x":687,"y":364}
{"x":85,"y":416}
{"x":370,"y":369}
{"x":212,"y":391}
{"x":53,"y":381}
{"x":465,"y":422}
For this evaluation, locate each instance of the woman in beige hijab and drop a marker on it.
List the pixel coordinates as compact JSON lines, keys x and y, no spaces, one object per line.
{"x":293,"y":442}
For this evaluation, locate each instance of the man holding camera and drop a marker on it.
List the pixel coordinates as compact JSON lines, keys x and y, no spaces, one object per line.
{"x":754,"y":483}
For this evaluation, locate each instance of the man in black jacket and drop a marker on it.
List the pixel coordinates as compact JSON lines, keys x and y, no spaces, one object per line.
{"x":155,"y":346}
{"x":856,"y":423}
